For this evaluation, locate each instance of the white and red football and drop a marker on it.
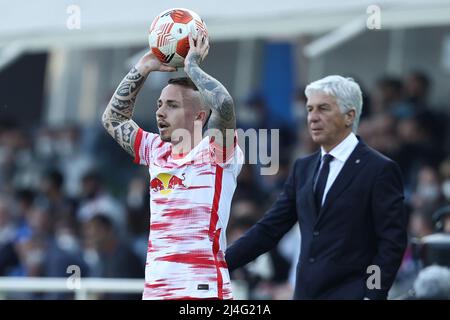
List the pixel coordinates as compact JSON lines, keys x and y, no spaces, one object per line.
{"x":168,"y":35}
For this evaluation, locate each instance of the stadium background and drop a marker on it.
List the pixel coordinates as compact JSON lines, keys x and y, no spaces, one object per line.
{"x":71,"y":196}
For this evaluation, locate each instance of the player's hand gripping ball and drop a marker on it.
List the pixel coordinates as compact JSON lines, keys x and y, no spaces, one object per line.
{"x":168,"y":37}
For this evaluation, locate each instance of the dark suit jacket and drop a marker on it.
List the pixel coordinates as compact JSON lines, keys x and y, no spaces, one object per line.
{"x":361,"y":223}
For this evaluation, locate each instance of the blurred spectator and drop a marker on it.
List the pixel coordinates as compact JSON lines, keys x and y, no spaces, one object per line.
{"x":388,"y":94}
{"x":444,"y":172}
{"x":433,"y":282}
{"x":115,"y":257}
{"x":270,"y":270}
{"x":51,"y":188}
{"x":417,"y":148}
{"x":299,"y":108}
{"x":96,"y":199}
{"x":367,"y":109}
{"x":415,"y":91}
{"x":16,"y":160}
{"x":74,"y":160}
{"x":44,"y":144}
{"x":138,"y":215}
{"x":288,"y":247}
{"x":7,"y":227}
{"x":242,"y":208}
{"x":379,"y":132}
{"x":427,"y":194}
{"x":256,"y":271}
{"x":63,"y":250}
{"x":420,"y":224}
{"x":417,"y":86}
{"x":272,"y":184}
{"x":305,"y":144}
{"x":8,"y":258}
{"x":446,"y":224}
{"x":425,"y":248}
{"x":441,"y":219}
{"x":253,"y":113}
{"x":247,"y":187}
{"x":32,"y":239}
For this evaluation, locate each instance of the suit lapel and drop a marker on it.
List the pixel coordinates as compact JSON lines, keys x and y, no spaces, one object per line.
{"x":309,"y":185}
{"x":306,"y":192}
{"x":352,"y":166}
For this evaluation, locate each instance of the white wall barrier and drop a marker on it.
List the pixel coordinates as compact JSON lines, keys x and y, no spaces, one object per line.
{"x":85,"y":287}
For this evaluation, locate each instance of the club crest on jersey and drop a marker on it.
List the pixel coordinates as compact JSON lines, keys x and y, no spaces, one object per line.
{"x":165,"y":183}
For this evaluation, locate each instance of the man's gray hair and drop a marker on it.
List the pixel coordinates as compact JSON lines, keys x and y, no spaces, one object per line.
{"x":346,"y":91}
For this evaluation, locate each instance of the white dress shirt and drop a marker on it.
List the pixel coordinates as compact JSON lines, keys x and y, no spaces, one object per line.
{"x":340,"y":154}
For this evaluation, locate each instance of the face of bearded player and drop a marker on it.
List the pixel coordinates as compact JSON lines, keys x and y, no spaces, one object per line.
{"x":178,"y":108}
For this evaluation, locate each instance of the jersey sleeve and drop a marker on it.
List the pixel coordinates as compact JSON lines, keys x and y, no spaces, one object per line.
{"x":228,"y":157}
{"x":143,"y":147}
{"x":222,"y":154}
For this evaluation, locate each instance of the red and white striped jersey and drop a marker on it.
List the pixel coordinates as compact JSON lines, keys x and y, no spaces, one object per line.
{"x":190,"y":206}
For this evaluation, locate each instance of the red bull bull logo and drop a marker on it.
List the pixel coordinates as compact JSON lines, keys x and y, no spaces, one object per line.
{"x":165,"y":183}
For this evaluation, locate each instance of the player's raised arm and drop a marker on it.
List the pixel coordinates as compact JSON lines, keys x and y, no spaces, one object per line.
{"x":214,"y":94}
{"x":117,"y":116}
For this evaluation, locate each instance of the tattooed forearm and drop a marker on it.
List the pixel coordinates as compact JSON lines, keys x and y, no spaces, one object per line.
{"x":124,"y":107}
{"x":117,"y":116}
{"x":131,"y":84}
{"x":215,"y":96}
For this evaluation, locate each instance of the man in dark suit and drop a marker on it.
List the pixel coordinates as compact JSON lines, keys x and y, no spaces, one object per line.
{"x":348,"y":200}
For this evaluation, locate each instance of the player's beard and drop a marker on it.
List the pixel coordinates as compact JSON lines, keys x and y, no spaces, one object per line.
{"x":165,"y":138}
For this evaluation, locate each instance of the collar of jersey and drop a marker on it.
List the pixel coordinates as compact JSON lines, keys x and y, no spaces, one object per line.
{"x":191,"y":154}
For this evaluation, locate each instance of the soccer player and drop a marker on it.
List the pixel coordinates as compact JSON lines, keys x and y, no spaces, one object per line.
{"x":192,"y":180}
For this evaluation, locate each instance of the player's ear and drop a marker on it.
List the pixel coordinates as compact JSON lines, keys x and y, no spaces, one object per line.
{"x":207,"y":115}
{"x":350,"y":117}
{"x":201,"y":115}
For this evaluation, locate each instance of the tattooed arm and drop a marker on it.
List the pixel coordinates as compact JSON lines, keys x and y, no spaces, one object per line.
{"x":117,"y":116}
{"x":214,"y":94}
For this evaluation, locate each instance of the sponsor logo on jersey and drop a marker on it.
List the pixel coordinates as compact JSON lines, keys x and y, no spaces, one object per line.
{"x":165,"y":183}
